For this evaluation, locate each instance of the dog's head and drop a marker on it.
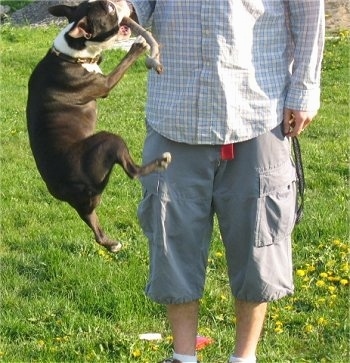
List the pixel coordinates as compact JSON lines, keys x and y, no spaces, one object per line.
{"x":92,"y":22}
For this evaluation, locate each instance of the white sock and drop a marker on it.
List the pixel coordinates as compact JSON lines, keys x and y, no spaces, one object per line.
{"x":185,"y":358}
{"x":234,"y":359}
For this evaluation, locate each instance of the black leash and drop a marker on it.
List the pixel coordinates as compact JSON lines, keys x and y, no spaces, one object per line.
{"x":300,"y":178}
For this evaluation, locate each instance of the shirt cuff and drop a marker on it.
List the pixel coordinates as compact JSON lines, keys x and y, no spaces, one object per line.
{"x":303,"y":100}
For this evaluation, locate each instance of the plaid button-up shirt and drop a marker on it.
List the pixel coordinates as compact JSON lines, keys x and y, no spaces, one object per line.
{"x":231,"y":66}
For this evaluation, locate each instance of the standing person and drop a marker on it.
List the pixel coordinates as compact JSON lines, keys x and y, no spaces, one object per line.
{"x":241,"y":78}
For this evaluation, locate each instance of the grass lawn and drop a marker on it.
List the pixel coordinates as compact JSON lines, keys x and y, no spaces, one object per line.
{"x":64,"y":299}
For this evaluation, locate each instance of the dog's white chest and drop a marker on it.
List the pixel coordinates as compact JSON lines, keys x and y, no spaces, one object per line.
{"x":92,"y":67}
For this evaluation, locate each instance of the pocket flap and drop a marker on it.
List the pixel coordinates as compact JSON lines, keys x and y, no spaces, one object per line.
{"x":276,"y":179}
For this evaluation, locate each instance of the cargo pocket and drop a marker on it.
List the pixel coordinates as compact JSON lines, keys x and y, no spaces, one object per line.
{"x":276,"y":205}
{"x":148,"y":209}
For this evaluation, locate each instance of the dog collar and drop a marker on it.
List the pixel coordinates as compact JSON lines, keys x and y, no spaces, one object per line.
{"x":70,"y":59}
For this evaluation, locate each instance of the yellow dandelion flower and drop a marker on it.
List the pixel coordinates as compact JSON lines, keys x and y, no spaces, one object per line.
{"x":322,"y":321}
{"x":278,"y":330}
{"x":331,"y":263}
{"x":223,"y":297}
{"x":331,"y":289}
{"x":40,"y":343}
{"x":345,"y":267}
{"x":136,"y":353}
{"x":169,"y":339}
{"x":320,"y":283}
{"x":219,"y":254}
{"x":323,"y":274}
{"x":336,"y":242}
{"x":310,"y":268}
{"x":301,"y":273}
{"x":333,"y":296}
{"x":308,"y":328}
{"x":343,"y":246}
{"x":321,"y":300}
{"x":344,"y":282}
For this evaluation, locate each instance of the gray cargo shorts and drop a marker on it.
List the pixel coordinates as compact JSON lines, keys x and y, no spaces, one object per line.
{"x":254,"y":198}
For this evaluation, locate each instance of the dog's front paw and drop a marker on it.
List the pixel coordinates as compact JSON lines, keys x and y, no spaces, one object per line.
{"x":140,"y":43}
{"x":164,"y":161}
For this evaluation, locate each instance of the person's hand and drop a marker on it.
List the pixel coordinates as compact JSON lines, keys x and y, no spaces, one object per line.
{"x":295,"y":122}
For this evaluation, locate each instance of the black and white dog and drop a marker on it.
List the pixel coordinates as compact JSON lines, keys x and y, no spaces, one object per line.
{"x":75,"y":162}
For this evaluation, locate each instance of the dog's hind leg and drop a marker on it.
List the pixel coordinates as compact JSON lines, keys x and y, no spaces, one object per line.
{"x":85,"y":200}
{"x":104,"y":149}
{"x":101,"y":238}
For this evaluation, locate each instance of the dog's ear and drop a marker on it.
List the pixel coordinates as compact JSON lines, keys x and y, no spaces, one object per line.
{"x":80,"y":30}
{"x":63,"y":10}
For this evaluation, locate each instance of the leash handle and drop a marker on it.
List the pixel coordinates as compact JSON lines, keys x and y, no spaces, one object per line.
{"x":300,"y":178}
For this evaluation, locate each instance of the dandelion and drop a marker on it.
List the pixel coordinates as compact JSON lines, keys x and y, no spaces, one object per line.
{"x":321,"y":300}
{"x":331,"y":289}
{"x":320,"y":283}
{"x":336,"y":242}
{"x":169,"y":339}
{"x":154,"y":347}
{"x":308,"y":328}
{"x":40,"y":343}
{"x":223,"y":297}
{"x":219,"y":254}
{"x":323,"y":275}
{"x":322,"y":321}
{"x":136,"y":353}
{"x":331,"y":263}
{"x":278,"y":330}
{"x":310,"y":268}
{"x":344,"y":282}
{"x":345,"y":267}
{"x":301,"y":273}
{"x":278,"y":327}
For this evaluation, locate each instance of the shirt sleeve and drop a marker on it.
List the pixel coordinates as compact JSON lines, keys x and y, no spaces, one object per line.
{"x":144,"y":10}
{"x":306,"y":21}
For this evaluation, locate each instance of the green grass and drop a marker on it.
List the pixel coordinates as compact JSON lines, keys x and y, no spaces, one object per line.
{"x":15,"y":5}
{"x":63,"y":299}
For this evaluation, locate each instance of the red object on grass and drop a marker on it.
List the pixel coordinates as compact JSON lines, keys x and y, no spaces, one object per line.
{"x":202,"y":342}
